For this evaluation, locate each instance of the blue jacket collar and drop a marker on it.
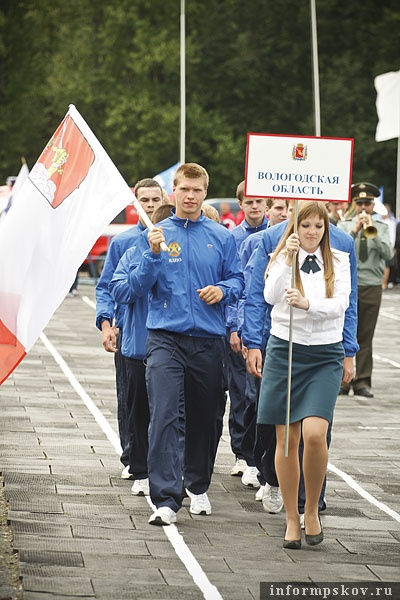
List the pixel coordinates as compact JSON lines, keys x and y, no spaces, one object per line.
{"x":185,"y":222}
{"x":245,"y":225}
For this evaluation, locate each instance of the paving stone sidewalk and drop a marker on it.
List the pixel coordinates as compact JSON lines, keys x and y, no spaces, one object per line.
{"x":10,"y":582}
{"x":78,"y":532}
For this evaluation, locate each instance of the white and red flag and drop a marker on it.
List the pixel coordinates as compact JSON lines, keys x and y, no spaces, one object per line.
{"x":72,"y":193}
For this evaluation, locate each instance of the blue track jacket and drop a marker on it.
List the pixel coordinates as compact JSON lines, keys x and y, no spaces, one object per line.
{"x":201,"y":253}
{"x":106,"y":308}
{"x":241,"y":233}
{"x":244,"y":230}
{"x":136,"y":308}
{"x":253,"y":330}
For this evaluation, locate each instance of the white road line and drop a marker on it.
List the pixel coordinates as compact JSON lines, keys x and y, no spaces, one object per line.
{"x":209,"y":591}
{"x":350,"y":481}
{"x":386,"y":360}
{"x":356,"y":487}
{"x":383,"y":428}
{"x":389,"y":315}
{"x":98,"y":416}
{"x":89,"y":302}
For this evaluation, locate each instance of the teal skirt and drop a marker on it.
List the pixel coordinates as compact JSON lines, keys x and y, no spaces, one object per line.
{"x":315,"y":381}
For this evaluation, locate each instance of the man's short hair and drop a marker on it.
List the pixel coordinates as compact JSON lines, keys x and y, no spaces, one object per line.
{"x":162,"y":212}
{"x":270,"y":201}
{"x":240,"y":191}
{"x":147,"y":183}
{"x":211,"y":212}
{"x":191,"y":171}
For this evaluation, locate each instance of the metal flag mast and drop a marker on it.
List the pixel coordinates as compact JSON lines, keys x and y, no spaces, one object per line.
{"x":317,"y":120}
{"x":183,"y":86}
{"x":317,"y":110}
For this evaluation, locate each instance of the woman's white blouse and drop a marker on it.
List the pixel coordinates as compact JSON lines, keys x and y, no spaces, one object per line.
{"x":323,"y":322}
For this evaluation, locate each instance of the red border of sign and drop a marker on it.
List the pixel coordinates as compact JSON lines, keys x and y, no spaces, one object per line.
{"x":300,"y":137}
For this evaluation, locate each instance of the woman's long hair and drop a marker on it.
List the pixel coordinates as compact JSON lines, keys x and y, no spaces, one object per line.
{"x":306,"y":211}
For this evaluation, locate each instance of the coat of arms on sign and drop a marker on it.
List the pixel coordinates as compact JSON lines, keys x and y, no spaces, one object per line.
{"x":299,"y":152}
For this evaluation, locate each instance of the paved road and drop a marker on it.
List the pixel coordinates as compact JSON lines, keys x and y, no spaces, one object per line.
{"x":79,"y":533}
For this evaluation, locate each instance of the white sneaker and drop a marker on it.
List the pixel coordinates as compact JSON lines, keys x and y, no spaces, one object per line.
{"x":141,"y":487}
{"x":259,"y":493}
{"x":272,"y":499}
{"x":239,"y":467}
{"x":199,"y":503}
{"x":163,"y":516}
{"x":125,"y":473}
{"x":302,"y":522}
{"x":249,"y":477}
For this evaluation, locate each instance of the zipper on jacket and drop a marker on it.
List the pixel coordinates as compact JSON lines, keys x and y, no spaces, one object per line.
{"x":189,"y":272}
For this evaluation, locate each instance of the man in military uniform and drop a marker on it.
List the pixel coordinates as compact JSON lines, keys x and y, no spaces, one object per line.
{"x":373,"y":249}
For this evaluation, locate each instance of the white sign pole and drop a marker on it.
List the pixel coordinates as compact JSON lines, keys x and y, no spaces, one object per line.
{"x":290,"y":350}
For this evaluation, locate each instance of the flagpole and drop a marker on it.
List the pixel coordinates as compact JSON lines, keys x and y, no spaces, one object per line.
{"x":317,"y":120}
{"x":317,"y":109}
{"x":183,"y":85}
{"x":398,"y":180}
{"x":146,"y":220}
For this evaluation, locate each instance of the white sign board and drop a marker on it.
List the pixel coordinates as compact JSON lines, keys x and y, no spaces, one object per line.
{"x":298,"y":167}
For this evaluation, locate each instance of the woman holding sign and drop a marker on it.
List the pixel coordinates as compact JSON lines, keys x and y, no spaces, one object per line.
{"x":317,"y":303}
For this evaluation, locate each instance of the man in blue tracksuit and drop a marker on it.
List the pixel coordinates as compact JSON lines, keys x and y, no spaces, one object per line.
{"x":256,"y":310}
{"x":133,"y":349}
{"x":109,"y":314}
{"x":253,"y":222}
{"x":189,"y":287}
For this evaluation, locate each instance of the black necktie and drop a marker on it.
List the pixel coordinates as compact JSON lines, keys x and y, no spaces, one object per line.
{"x":310,"y":264}
{"x":363,"y":249}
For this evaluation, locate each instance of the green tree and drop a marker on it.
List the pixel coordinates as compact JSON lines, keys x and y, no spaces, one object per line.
{"x":248,"y":69}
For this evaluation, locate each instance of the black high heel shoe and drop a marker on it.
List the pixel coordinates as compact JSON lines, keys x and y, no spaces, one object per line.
{"x":314,"y":540}
{"x":291,"y":544}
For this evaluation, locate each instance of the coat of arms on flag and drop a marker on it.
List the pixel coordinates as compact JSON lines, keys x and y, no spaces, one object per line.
{"x":63,"y":164}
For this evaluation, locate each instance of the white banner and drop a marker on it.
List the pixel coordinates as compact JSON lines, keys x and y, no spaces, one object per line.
{"x":387,"y":87}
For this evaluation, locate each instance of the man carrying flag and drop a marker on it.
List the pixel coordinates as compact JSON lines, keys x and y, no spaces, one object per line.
{"x":189,"y":287}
